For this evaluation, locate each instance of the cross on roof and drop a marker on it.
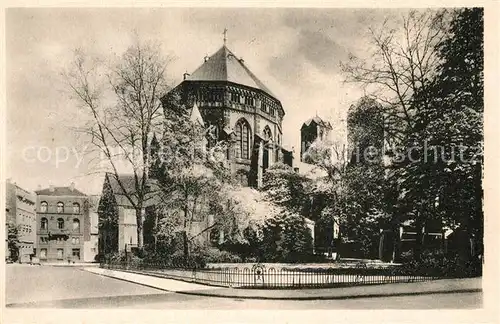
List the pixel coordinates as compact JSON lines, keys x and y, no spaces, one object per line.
{"x":225,"y":35}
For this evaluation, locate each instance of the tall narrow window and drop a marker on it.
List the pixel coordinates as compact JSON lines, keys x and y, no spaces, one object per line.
{"x":76,"y":254}
{"x":238,"y":130}
{"x":76,"y":224}
{"x":60,"y":254}
{"x":43,"y":253}
{"x":76,"y":208}
{"x":60,"y":207}
{"x":60,"y":223}
{"x":268,"y":135}
{"x":43,"y":207}
{"x":243,"y":139}
{"x":44,"y":223}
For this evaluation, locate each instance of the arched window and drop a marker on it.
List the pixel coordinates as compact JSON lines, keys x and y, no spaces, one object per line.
{"x":43,"y":207}
{"x":268,"y":135}
{"x":243,"y":139}
{"x":76,"y":208}
{"x":76,"y":224}
{"x":242,"y":177}
{"x":60,"y":207}
{"x":60,"y":223}
{"x":212,"y":135}
{"x":44,"y":224}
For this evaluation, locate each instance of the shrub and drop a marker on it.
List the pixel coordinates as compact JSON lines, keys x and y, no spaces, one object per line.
{"x":285,"y":239}
{"x":435,"y":263}
{"x":194,"y":260}
{"x":214,"y":255}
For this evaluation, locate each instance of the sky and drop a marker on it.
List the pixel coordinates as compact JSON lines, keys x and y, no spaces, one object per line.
{"x":295,"y":52}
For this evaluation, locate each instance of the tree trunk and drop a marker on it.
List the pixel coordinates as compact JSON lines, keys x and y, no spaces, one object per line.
{"x":140,"y":229}
{"x":381,"y":247}
{"x":419,"y":226}
{"x":185,"y":242}
{"x":155,"y":231}
{"x":396,"y":248}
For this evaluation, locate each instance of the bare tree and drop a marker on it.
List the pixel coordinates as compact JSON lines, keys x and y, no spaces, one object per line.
{"x":122,"y":105}
{"x":401,"y":61}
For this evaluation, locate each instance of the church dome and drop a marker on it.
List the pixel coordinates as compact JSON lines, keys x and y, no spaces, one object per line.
{"x":225,"y":66}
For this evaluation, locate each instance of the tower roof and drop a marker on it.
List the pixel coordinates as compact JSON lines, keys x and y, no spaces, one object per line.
{"x":318,"y":121}
{"x":225,"y":66}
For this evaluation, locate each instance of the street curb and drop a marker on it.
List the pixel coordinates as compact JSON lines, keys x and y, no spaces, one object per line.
{"x":127,"y":280}
{"x":358,"y":296}
{"x":458,"y":291}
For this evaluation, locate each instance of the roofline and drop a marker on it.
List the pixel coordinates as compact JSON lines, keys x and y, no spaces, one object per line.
{"x":83,"y":196}
{"x":231,"y":83}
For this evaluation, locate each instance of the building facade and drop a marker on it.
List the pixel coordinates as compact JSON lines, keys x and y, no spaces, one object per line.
{"x":20,"y":212}
{"x":117,"y":224}
{"x":90,"y":247}
{"x":241,"y":110}
{"x":63,"y":224}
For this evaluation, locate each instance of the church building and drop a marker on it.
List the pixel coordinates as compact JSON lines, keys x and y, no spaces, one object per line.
{"x":241,"y":110}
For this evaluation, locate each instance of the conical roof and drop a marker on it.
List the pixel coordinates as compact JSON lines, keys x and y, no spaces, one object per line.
{"x":318,"y":121}
{"x":225,"y":66}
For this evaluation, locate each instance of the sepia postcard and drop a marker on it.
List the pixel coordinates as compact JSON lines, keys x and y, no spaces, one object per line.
{"x":249,"y":163}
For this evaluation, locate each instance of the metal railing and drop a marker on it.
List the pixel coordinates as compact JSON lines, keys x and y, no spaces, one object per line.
{"x":260,"y":276}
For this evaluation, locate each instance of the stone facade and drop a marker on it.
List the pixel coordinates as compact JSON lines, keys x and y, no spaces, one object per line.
{"x":242,"y":110}
{"x":311,"y":130}
{"x":63,"y":224}
{"x":20,"y":211}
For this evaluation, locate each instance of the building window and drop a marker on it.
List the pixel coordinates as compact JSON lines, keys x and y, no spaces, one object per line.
{"x":44,"y":224}
{"x":76,"y":254}
{"x":60,"y":254}
{"x":60,"y":223}
{"x":43,"y":207}
{"x":75,"y":240}
{"x":76,"y":224}
{"x":235,"y":97}
{"x":249,"y":101}
{"x":243,"y":139}
{"x":268,"y":135}
{"x":44,"y":239}
{"x":212,"y":135}
{"x":43,"y":253}
{"x":76,"y":208}
{"x":60,"y":207}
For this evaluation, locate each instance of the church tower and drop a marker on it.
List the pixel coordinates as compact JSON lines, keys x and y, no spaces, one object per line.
{"x":311,"y":130}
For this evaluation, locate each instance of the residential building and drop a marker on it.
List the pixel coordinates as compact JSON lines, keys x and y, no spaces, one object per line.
{"x":91,"y":247}
{"x":20,"y":212}
{"x":63,"y":224}
{"x":117,"y":215}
